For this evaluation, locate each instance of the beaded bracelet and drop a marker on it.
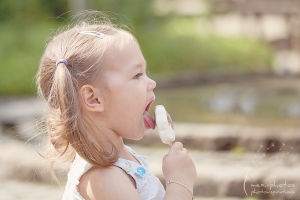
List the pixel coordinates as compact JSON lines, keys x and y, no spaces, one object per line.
{"x":170,"y":181}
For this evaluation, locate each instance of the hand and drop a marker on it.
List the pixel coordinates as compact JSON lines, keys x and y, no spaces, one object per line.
{"x":178,"y":166}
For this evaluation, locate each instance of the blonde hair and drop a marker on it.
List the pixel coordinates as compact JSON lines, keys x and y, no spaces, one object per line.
{"x":66,"y":126}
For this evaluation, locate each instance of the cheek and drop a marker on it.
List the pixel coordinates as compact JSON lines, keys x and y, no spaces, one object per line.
{"x":126,"y":100}
{"x":119,"y":103}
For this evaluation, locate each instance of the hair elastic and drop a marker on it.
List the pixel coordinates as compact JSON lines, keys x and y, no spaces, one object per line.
{"x":62,"y":61}
{"x":94,"y":33}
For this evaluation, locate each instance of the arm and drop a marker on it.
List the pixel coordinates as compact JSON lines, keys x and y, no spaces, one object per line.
{"x":179,"y":167}
{"x":177,"y":192}
{"x":113,"y":183}
{"x":110,"y":183}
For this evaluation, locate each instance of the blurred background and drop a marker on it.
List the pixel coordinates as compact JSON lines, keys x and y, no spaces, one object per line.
{"x":227,"y":71}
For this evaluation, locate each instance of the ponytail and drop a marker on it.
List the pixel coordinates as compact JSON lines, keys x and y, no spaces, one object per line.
{"x":69,"y":131}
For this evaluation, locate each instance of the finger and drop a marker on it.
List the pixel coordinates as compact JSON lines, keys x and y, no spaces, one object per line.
{"x":177,"y":146}
{"x":184,"y":150}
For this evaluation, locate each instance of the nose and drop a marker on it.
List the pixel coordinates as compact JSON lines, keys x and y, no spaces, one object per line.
{"x":151,"y":84}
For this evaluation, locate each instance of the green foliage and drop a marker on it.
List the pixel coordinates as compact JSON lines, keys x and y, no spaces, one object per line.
{"x":20,"y":51}
{"x":179,"y":46}
{"x":169,"y":43}
{"x":138,"y":15}
{"x":206,"y":54}
{"x":25,"y":26}
{"x":30,"y":11}
{"x":55,"y":7}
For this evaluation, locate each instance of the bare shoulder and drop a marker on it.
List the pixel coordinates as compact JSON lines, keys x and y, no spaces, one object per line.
{"x":107,"y":183}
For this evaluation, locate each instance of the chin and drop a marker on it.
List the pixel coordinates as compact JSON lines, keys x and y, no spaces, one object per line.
{"x":139,"y":136}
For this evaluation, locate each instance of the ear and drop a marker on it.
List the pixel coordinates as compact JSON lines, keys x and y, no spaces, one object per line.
{"x":91,"y":99}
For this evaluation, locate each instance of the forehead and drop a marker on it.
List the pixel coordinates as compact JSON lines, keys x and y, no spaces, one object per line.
{"x":123,"y":54}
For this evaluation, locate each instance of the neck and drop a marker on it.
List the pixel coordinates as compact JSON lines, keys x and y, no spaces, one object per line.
{"x":119,"y":144}
{"x":112,"y":137}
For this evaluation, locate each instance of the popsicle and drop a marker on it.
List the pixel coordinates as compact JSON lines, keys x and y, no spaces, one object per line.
{"x":164,"y":125}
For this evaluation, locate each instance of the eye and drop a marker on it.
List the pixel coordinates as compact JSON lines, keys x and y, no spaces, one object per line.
{"x":138,"y":76}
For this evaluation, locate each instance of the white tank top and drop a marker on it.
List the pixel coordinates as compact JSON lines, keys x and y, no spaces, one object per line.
{"x":147,"y":185}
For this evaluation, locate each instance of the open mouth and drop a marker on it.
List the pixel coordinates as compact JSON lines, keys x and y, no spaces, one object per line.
{"x":148,"y":119}
{"x":149,"y":105}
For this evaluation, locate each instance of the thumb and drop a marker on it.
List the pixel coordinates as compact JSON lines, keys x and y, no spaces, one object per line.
{"x":177,"y":146}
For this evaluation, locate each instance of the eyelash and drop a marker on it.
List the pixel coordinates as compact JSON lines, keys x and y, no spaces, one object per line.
{"x":140,"y":74}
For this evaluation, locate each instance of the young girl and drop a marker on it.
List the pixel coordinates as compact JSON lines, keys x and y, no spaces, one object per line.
{"x":93,"y":77}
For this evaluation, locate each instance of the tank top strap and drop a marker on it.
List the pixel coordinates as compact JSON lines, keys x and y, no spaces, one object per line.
{"x":137,"y":171}
{"x":141,"y":159}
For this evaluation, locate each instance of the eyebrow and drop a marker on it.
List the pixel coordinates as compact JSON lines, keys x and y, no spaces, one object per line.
{"x":140,"y":65}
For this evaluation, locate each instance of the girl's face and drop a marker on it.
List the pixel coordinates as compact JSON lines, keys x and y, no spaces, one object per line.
{"x":129,"y":92}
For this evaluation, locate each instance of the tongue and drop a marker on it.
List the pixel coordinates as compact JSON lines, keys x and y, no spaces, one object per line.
{"x":148,"y":120}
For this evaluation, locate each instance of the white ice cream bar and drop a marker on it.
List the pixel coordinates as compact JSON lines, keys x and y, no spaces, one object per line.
{"x":165,"y":129}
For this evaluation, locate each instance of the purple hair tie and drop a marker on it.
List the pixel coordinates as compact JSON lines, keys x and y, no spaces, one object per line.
{"x":62,"y":61}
